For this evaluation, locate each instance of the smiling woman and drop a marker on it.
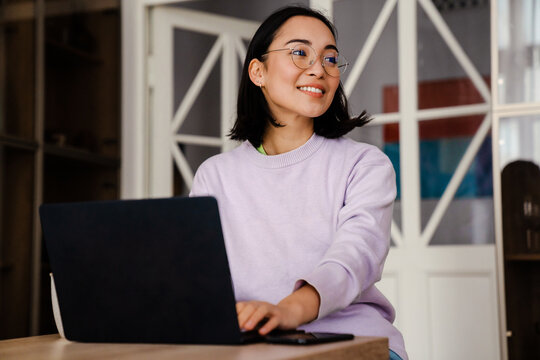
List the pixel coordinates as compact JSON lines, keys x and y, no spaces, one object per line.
{"x":295,"y":95}
{"x":279,"y":41}
{"x":305,"y":212}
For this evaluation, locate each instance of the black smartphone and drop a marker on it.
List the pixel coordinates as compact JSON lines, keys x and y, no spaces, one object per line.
{"x":306,"y":338}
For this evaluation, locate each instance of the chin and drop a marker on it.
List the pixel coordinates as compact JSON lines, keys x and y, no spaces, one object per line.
{"x":313,"y":114}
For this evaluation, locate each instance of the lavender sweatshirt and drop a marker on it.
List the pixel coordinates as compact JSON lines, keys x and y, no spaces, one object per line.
{"x":319,"y":214}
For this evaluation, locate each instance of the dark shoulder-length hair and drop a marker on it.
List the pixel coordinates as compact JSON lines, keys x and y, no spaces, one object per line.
{"x":253,"y":113}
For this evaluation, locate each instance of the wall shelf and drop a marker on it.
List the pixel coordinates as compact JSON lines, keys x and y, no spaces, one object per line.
{"x":26,"y":10}
{"x":18,"y":143}
{"x":63,"y":54}
{"x":59,"y":137}
{"x":522,"y":257}
{"x":81,"y":155}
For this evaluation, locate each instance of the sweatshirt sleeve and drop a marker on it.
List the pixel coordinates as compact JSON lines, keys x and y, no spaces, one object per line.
{"x":355,"y":259}
{"x":199,"y":187}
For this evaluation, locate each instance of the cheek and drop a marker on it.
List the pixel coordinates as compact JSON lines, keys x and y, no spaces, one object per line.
{"x":332,"y":93}
{"x":334,"y":84}
{"x":281,"y":72}
{"x":281,"y":85}
{"x":286,"y":78}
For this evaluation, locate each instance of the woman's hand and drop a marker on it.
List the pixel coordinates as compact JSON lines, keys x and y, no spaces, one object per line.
{"x":300,"y":307}
{"x":251,"y":313}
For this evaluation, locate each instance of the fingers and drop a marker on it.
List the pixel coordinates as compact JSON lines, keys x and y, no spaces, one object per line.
{"x":251,"y":313}
{"x":263,"y":311}
{"x":270,"y":325}
{"x":239,"y":306}
{"x":245,"y":311}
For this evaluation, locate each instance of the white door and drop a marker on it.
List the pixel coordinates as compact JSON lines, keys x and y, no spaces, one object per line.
{"x":445,"y":295}
{"x":440,"y":275}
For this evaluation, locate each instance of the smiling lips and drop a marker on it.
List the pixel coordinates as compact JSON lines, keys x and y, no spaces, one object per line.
{"x":312,"y":90}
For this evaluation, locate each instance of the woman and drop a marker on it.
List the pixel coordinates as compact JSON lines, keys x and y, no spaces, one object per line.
{"x":306,"y":213}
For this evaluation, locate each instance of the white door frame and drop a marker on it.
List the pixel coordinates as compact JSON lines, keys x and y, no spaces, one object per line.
{"x":499,"y":111}
{"x":165,"y":124}
{"x":412,"y":261}
{"x":135,"y":107}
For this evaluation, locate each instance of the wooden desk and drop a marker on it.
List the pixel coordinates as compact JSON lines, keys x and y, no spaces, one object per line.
{"x":52,"y":347}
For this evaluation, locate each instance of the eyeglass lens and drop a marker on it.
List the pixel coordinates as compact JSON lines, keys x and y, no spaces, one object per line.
{"x":304,"y":56}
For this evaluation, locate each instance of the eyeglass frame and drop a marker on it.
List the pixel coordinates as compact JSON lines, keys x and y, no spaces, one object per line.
{"x":345,"y":64}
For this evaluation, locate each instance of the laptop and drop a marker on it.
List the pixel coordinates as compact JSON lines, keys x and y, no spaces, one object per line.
{"x":146,"y":271}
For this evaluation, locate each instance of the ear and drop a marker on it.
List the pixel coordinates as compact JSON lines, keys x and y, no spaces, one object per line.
{"x":256,"y":72}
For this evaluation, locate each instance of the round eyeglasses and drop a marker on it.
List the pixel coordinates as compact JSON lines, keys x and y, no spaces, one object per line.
{"x":304,"y":56}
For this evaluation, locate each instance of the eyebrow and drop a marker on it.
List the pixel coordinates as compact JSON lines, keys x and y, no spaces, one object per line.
{"x":307,"y":42}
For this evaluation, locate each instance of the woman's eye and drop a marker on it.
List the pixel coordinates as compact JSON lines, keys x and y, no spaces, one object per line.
{"x":331,"y":60}
{"x":299,"y":52}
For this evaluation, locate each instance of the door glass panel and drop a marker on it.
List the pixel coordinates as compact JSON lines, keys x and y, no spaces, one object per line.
{"x":468,"y":221}
{"x":381,"y":70}
{"x":195,"y":155}
{"x":442,"y":82}
{"x":190,"y":51}
{"x":518,"y":77}
{"x":469,"y":217}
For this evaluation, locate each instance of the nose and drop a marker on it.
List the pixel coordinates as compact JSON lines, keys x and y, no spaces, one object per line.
{"x":316,"y":69}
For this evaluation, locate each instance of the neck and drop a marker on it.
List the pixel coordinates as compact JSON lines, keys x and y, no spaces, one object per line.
{"x":287,"y":138}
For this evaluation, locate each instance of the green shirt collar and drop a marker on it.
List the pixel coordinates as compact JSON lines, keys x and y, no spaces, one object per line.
{"x":261,"y":150}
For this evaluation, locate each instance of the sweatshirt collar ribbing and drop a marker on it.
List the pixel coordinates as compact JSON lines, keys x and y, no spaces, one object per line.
{"x":285,"y":159}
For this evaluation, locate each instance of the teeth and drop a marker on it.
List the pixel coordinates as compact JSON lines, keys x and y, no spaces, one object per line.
{"x":310,"y":89}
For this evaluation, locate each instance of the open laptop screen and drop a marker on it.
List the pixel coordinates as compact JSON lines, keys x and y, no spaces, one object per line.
{"x":150,"y":270}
